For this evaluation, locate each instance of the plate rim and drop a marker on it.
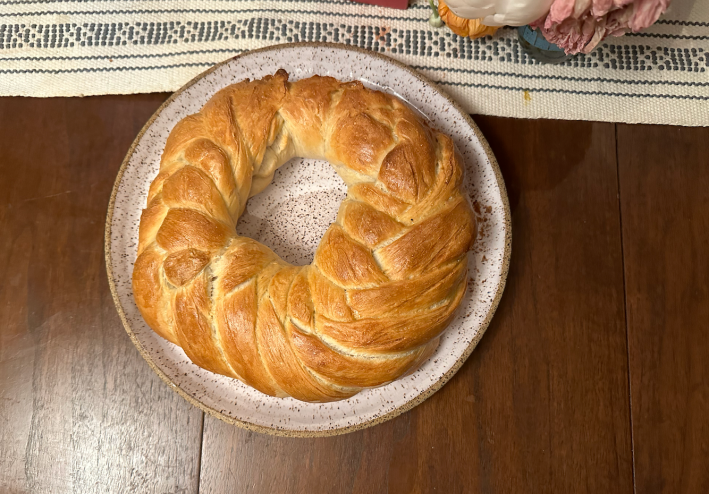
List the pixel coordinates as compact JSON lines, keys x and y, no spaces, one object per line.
{"x":274,"y":431}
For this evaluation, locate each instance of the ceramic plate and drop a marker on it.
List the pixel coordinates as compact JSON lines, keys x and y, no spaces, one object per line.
{"x":290,"y":217}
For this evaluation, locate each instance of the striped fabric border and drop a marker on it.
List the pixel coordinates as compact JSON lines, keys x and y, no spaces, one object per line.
{"x":86,"y":47}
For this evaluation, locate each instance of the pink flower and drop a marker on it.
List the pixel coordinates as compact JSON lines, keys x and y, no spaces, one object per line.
{"x":579,"y":25}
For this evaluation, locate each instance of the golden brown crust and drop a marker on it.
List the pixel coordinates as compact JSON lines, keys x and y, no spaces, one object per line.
{"x":193,"y":326}
{"x":183,"y":265}
{"x":346,"y":262}
{"x":150,"y":295}
{"x":366,"y":224}
{"x":391,"y":333}
{"x":236,"y":322}
{"x":388,"y":274}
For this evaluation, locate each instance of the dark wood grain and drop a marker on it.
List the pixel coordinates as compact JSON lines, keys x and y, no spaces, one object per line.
{"x":664,"y":183}
{"x":542,"y":404}
{"x":80,"y":411}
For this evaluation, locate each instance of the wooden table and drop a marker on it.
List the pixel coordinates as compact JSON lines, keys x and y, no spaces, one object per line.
{"x":593,"y":376}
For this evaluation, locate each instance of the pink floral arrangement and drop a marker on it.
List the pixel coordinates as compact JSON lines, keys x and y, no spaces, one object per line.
{"x":577,"y":26}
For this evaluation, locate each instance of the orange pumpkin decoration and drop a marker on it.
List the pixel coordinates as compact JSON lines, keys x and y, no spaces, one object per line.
{"x":471,"y":28}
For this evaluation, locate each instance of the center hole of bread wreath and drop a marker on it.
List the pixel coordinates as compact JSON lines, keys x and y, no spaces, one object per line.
{"x":292,"y":214}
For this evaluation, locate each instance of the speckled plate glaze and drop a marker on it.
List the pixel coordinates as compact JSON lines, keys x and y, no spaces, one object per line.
{"x":290,"y":216}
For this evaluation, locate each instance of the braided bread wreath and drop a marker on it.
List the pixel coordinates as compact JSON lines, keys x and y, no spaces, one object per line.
{"x":387,"y":276}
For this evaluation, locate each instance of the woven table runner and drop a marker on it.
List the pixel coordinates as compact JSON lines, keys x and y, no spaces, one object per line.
{"x":89,"y":47}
